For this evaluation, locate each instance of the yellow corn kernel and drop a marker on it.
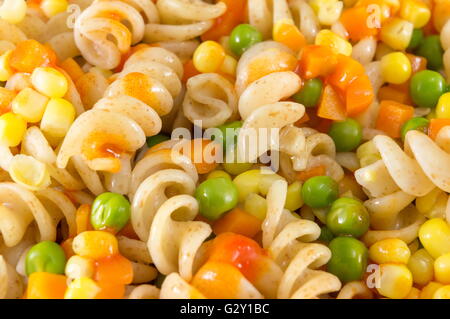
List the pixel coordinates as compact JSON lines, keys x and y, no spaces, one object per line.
{"x":416,"y":12}
{"x":429,"y":290}
{"x":267,"y":179}
{"x":421,"y":266}
{"x":95,"y":244}
{"x":414,"y":246}
{"x":247,"y":182}
{"x":5,"y":69}
{"x":336,"y":43}
{"x":229,"y":65}
{"x":442,"y":269}
{"x":12,"y":129}
{"x":49,"y":82}
{"x":209,"y":57}
{"x":443,"y":107}
{"x":256,"y":205}
{"x":13,"y":11}
{"x":29,"y":172}
{"x":82,"y":288}
{"x":442,"y":293}
{"x":394,"y":5}
{"x":397,"y":33}
{"x":217,"y":174}
{"x":434,"y":235}
{"x":433,"y":204}
{"x":395,"y":281}
{"x":77,"y":267}
{"x":293,"y":197}
{"x":53,"y":7}
{"x":395,"y":68}
{"x":327,"y":11}
{"x":6,"y":97}
{"x":287,"y":33}
{"x":30,"y":105}
{"x":414,"y":293}
{"x":58,"y":117}
{"x":391,"y":250}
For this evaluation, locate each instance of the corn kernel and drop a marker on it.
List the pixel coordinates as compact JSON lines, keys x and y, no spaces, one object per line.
{"x":49,"y":82}
{"x":421,"y":266}
{"x":82,"y":288}
{"x":293,"y":197}
{"x":247,"y":182}
{"x":327,"y":11}
{"x":229,"y":65}
{"x":95,"y":244}
{"x":416,"y":12}
{"x":414,"y":293}
{"x":58,"y":117}
{"x":434,"y":235}
{"x":395,"y":68}
{"x":442,"y":269}
{"x":429,"y":290}
{"x":13,"y":11}
{"x":397,"y":33}
{"x":209,"y":57}
{"x":391,"y":250}
{"x":335,"y":42}
{"x":12,"y":129}
{"x":395,"y":281}
{"x":442,"y":293}
{"x":30,"y":105}
{"x":5,"y":69}
{"x":6,"y":97}
{"x":443,"y":107}
{"x":78,"y":267}
{"x":433,"y":204}
{"x":256,"y":205}
{"x":53,"y":7}
{"x":29,"y":172}
{"x":217,"y":174}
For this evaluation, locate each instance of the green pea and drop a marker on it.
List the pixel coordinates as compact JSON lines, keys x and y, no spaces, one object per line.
{"x":320,"y":191}
{"x":216,"y":196}
{"x":348,"y":216}
{"x":231,"y":165}
{"x":46,"y":256}
{"x":416,"y":123}
{"x":243,"y":37}
{"x":426,"y":88}
{"x":348,"y":258}
{"x":325,"y":235}
{"x":416,"y":39}
{"x":110,"y":211}
{"x":347,"y":135}
{"x":228,"y":134}
{"x":309,"y":94}
{"x":431,"y":49}
{"x":156,"y":139}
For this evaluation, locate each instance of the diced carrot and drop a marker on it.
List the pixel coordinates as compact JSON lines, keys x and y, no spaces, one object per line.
{"x":289,"y":35}
{"x":392,"y":116}
{"x":72,"y":68}
{"x":238,"y":221}
{"x":346,"y":71}
{"x":189,"y":70}
{"x":315,"y":61}
{"x":356,"y":21}
{"x":304,"y":119}
{"x":319,"y":170}
{"x":110,"y":291}
{"x":67,"y":247}
{"x":82,"y":218}
{"x":30,"y":54}
{"x":331,"y":106}
{"x":359,"y":95}
{"x":436,"y":125}
{"x":389,"y":92}
{"x":44,"y":285}
{"x":129,"y":53}
{"x":224,"y":24}
{"x":114,"y":270}
{"x":202,"y":153}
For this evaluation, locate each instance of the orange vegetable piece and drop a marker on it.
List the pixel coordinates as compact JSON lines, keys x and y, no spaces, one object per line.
{"x":43,"y":285}
{"x":390,"y":92}
{"x":346,"y":71}
{"x":441,"y":13}
{"x":114,"y":269}
{"x":355,"y":21}
{"x":289,"y":35}
{"x":129,"y":53}
{"x":202,"y":153}
{"x":359,"y":95}
{"x":72,"y":69}
{"x":238,"y":221}
{"x":30,"y":54}
{"x":304,"y":119}
{"x":435,"y":126}
{"x":392,"y":116}
{"x":315,"y":61}
{"x":82,"y":218}
{"x":67,"y":247}
{"x":110,"y":291}
{"x":319,"y":170}
{"x":331,"y":106}
{"x":189,"y":70}
{"x":224,"y":24}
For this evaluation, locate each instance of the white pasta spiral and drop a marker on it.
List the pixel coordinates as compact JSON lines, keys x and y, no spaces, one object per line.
{"x":445,"y":42}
